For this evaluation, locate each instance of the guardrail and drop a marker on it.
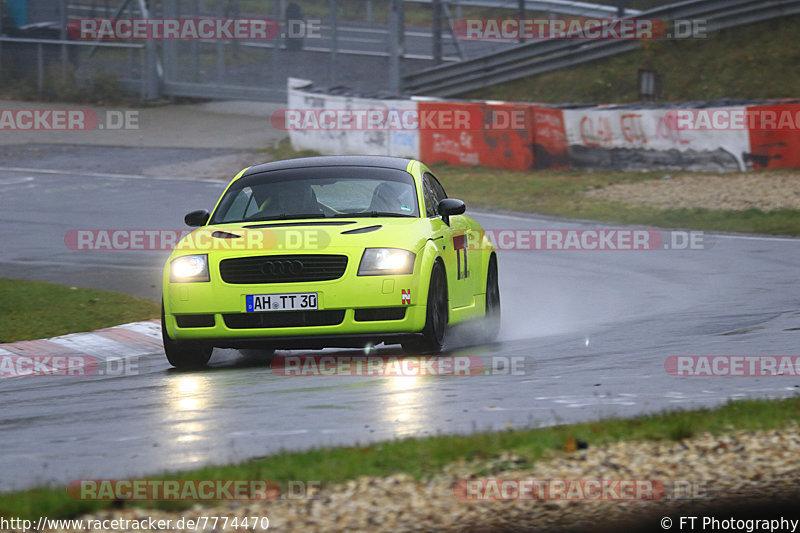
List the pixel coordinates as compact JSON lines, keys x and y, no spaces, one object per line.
{"x":565,"y":7}
{"x":538,"y":57}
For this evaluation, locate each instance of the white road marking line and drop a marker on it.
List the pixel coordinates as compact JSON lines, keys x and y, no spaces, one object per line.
{"x":17,"y":183}
{"x":106,"y":175}
{"x":16,"y":180}
{"x":753,"y":238}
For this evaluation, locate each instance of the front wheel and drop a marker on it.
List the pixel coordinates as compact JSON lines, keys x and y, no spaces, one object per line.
{"x":184,"y":355}
{"x":492,"y":314}
{"x":436,"y":315}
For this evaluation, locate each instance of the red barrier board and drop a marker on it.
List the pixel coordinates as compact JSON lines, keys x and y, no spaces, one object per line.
{"x":774,"y":135}
{"x":549,"y":138}
{"x":495,"y":135}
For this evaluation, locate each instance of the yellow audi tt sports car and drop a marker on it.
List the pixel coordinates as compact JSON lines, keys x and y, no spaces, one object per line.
{"x":339,"y":251}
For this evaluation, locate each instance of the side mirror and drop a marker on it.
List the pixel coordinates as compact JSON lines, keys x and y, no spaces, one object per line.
{"x":196,"y":218}
{"x":449,"y":207}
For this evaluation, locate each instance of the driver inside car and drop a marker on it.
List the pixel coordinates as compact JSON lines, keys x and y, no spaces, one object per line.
{"x":290,"y":198}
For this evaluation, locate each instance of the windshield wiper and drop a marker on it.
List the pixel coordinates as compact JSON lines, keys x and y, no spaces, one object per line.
{"x":372,"y":214}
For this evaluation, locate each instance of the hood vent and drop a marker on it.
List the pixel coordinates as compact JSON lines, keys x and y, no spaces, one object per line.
{"x":365,"y":229}
{"x":225,"y":235}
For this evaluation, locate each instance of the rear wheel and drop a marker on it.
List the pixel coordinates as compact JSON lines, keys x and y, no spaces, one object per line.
{"x":492,"y":316}
{"x":436,"y":315}
{"x":184,"y":355}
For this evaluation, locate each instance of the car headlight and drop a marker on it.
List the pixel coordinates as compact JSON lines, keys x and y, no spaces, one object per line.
{"x":386,"y":261}
{"x":189,"y":268}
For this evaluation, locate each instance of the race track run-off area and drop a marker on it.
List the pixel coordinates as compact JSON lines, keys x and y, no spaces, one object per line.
{"x":594,"y":331}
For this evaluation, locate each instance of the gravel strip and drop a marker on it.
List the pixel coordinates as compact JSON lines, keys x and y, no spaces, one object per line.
{"x":742,"y":464}
{"x":762,"y":190}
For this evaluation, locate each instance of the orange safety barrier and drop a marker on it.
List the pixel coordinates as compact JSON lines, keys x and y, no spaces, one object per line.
{"x":774,"y":135}
{"x":465,"y":133}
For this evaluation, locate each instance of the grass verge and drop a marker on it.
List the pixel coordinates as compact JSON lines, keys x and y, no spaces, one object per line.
{"x":33,"y":309}
{"x":560,"y":193}
{"x":421,"y":457}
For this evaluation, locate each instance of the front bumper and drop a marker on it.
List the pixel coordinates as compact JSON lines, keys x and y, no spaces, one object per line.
{"x":353,"y":310}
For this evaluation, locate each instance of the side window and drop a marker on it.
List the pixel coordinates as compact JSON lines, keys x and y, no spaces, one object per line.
{"x":252,"y":205}
{"x":430,"y":199}
{"x":241,"y":205}
{"x":438,"y":190}
{"x":433,"y":192}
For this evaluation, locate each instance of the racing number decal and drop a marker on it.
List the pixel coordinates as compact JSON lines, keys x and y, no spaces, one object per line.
{"x":406,"y":296}
{"x":460,"y":246}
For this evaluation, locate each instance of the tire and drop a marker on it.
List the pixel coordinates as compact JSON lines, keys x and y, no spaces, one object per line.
{"x":436,"y":315}
{"x":492,"y":314}
{"x":184,"y":355}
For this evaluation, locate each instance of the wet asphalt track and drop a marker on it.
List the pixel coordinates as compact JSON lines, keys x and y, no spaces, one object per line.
{"x":594,"y":328}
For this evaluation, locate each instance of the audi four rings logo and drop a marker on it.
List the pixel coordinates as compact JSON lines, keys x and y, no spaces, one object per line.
{"x":281,"y":268}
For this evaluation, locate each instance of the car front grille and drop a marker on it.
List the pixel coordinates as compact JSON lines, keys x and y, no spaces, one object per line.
{"x":284,"y":319}
{"x":282,"y":268}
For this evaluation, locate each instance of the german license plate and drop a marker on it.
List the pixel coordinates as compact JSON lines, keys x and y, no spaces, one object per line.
{"x":280,"y":302}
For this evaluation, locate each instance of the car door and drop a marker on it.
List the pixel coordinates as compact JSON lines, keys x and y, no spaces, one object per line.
{"x":453,"y":245}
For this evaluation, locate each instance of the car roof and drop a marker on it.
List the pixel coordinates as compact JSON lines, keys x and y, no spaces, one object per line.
{"x":399,"y":163}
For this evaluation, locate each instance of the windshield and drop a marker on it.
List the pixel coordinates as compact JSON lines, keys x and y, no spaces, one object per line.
{"x":319,"y":192}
